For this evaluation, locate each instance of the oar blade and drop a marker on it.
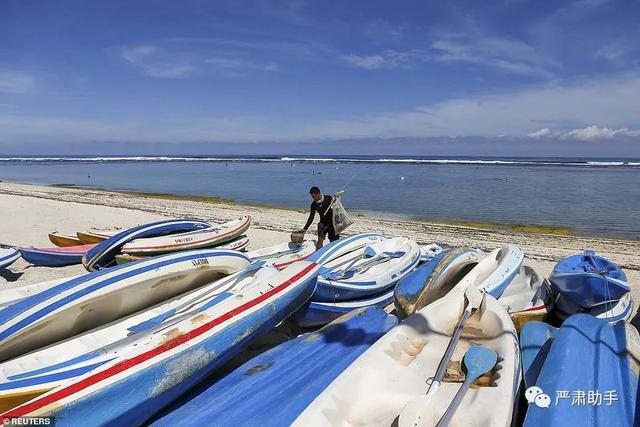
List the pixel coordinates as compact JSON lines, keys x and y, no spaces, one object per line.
{"x":479,"y":360}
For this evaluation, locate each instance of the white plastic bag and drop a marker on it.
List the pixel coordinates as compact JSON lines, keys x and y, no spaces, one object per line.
{"x":341,"y":220}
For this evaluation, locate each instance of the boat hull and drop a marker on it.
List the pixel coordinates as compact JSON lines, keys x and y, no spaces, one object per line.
{"x":239,"y":244}
{"x":612,"y":311}
{"x":8,"y":256}
{"x":315,"y":313}
{"x":608,"y":362}
{"x":104,"y":253}
{"x":528,"y":297}
{"x":62,"y":240}
{"x":300,"y":369}
{"x":130,"y":391}
{"x":88,"y":237}
{"x":205,"y":238}
{"x":589,"y":280}
{"x":366,"y":282}
{"x":55,"y":257}
{"x":434,"y":279}
{"x":88,"y":301}
{"x":393,"y":373}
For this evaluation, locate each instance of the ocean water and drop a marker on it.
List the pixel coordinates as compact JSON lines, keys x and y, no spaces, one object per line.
{"x":594,"y":197}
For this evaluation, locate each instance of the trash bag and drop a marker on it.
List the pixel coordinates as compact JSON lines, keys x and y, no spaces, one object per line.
{"x":341,"y":220}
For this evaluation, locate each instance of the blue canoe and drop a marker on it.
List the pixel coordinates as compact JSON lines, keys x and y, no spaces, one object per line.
{"x":8,"y":256}
{"x":367,"y":271}
{"x":318,"y":313}
{"x":55,"y":257}
{"x":275,"y":387}
{"x":158,"y":368}
{"x":535,"y":341}
{"x":611,"y":311}
{"x":104,"y":254}
{"x":433,"y":279}
{"x":589,"y":280}
{"x":585,"y":355}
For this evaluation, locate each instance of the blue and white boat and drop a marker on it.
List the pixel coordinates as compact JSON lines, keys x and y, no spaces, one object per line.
{"x":93,"y":299}
{"x":589,"y":280}
{"x":279,"y":384}
{"x":318,"y":313}
{"x":611,"y":311}
{"x":456,"y":270}
{"x":128,"y":372}
{"x":588,"y":370}
{"x":367,"y":271}
{"x":593,"y":285}
{"x":104,"y":254}
{"x":283,"y":254}
{"x":8,"y":256}
{"x":395,"y":373}
{"x":55,"y":257}
{"x":434,"y":279}
{"x":341,"y":249}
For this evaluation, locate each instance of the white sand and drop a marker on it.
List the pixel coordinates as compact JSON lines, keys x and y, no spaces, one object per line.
{"x":30,"y":212}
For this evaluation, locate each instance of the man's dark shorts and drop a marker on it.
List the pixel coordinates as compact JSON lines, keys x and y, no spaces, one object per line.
{"x":327,"y":230}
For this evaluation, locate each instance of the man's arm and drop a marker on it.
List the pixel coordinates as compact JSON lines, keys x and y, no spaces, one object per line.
{"x":312,"y":215}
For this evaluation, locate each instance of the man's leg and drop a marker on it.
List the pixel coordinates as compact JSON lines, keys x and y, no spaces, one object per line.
{"x":322,"y":232}
{"x":332,"y":234}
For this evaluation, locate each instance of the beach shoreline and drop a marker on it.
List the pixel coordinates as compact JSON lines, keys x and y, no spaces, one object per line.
{"x":31,"y":212}
{"x":211,"y":208}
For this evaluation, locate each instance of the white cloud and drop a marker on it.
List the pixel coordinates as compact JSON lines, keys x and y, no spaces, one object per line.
{"x":13,"y":82}
{"x":542,"y":133}
{"x":594,"y":132}
{"x":388,"y":59}
{"x":588,"y":133}
{"x":510,"y":56}
{"x":154,"y":61}
{"x":183,"y":61}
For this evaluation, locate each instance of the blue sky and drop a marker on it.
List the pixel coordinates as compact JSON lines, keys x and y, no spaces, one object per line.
{"x":538,"y":75}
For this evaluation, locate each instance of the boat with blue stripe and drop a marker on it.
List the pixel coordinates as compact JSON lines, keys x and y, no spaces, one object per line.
{"x":103,"y":255}
{"x":589,"y":280}
{"x":85,"y":302}
{"x":367,"y":270}
{"x":162,"y":360}
{"x":299,"y":369}
{"x":8,"y":256}
{"x":55,"y":257}
{"x":434,"y":279}
{"x":317,"y":313}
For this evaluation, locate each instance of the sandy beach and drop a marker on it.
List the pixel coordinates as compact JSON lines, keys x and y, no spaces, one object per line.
{"x":31,"y":212}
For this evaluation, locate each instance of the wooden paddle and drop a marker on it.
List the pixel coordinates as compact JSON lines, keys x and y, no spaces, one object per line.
{"x":478,"y":361}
